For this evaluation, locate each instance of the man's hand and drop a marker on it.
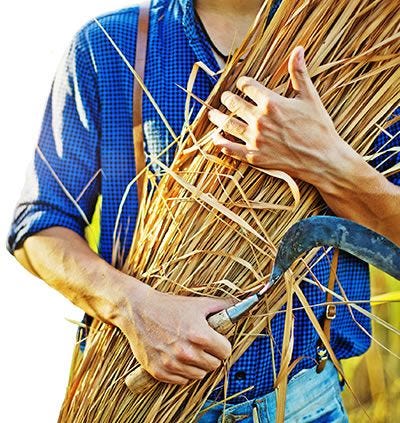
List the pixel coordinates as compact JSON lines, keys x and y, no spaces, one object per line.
{"x":171,"y":338}
{"x":295,"y":135}
{"x":168,"y":334}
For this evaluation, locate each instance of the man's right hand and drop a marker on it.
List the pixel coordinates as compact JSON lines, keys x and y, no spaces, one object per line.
{"x":170,"y":337}
{"x":168,"y":334}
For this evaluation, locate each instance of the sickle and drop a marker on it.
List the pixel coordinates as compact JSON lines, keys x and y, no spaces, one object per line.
{"x":302,"y":237}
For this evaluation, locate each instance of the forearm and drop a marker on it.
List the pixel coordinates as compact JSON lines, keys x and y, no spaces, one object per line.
{"x":64,"y":261}
{"x":176,"y":348}
{"x":297,"y":136}
{"x":355,"y":190}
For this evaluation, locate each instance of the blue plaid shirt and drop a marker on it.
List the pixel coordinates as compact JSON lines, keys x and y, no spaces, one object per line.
{"x":88,"y":126}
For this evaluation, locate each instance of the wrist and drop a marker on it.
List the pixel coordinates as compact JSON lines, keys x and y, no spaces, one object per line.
{"x":339,"y":170}
{"x":129,"y":294}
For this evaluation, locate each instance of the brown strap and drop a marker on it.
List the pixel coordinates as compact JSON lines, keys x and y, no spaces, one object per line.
{"x":330,"y":312}
{"x":140,"y":64}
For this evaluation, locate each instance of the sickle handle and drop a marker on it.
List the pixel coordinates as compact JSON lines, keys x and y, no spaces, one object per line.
{"x":220,"y":322}
{"x":140,"y":381}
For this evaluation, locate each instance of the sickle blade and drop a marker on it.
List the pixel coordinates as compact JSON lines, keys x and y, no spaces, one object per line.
{"x":343,"y":234}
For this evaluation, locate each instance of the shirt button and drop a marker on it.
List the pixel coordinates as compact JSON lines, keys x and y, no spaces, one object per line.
{"x":230,"y":418}
{"x":240,"y":375}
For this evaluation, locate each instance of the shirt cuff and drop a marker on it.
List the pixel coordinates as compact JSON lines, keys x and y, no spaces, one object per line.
{"x":31,"y":219}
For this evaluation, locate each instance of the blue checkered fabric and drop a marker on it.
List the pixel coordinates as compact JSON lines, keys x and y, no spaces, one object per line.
{"x":88,"y":126}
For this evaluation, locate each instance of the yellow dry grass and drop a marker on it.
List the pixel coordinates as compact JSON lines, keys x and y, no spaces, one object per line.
{"x":379,"y":370}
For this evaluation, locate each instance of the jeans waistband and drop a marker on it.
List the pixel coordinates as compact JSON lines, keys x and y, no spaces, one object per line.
{"x":303,"y":389}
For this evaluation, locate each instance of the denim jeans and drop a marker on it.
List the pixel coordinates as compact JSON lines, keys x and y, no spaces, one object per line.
{"x":311,"y":397}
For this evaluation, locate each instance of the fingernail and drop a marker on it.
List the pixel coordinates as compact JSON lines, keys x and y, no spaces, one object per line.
{"x":214,"y":138}
{"x":225,"y":95}
{"x":241,"y":81}
{"x":300,"y":58}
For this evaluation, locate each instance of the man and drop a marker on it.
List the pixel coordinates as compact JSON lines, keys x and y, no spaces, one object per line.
{"x":87,"y":127}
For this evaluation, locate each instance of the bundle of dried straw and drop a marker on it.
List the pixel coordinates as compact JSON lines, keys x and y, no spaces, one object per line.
{"x":210,"y":226}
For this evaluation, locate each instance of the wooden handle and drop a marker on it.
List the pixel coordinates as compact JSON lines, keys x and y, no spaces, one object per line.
{"x":140,"y":381}
{"x":220,"y":322}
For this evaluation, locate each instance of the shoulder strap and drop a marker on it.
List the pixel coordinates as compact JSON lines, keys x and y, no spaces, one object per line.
{"x":330,"y":314}
{"x":138,"y":139}
{"x":140,"y":64}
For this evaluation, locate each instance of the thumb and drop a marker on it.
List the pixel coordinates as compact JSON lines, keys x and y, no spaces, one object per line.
{"x":214,"y":305}
{"x":299,"y":77}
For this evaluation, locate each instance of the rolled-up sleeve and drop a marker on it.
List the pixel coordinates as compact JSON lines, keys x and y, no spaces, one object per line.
{"x":62,"y":182}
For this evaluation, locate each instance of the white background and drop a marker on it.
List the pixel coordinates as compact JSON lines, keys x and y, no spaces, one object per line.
{"x":36,"y":340}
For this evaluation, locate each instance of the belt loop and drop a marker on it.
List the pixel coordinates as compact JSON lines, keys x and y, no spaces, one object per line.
{"x":255,"y":414}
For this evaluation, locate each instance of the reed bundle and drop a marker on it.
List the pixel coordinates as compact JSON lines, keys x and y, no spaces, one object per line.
{"x":211,"y":225}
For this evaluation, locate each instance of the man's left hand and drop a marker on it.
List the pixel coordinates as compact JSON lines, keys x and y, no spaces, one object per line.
{"x":295,"y":135}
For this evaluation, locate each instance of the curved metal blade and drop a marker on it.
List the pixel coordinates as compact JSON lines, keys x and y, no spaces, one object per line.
{"x":344,"y":234}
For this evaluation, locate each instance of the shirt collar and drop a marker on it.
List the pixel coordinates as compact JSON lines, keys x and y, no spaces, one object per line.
{"x":196,"y":38}
{"x":186,"y":3}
